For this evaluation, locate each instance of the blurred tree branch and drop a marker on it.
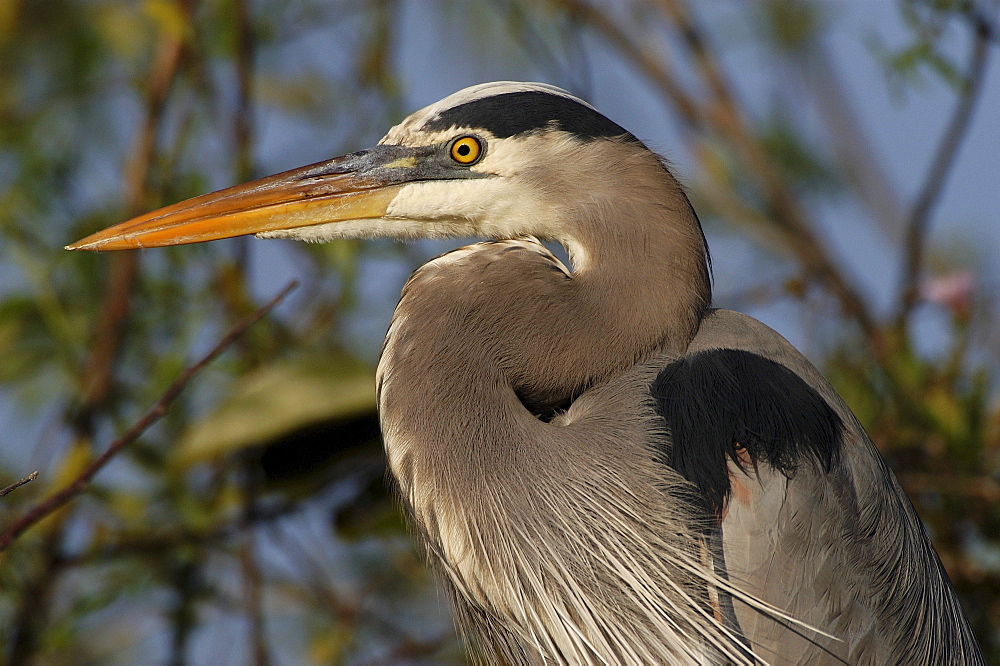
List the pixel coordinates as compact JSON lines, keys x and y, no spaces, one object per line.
{"x":60,"y":498}
{"x":941,"y":166}
{"x":112,"y":322}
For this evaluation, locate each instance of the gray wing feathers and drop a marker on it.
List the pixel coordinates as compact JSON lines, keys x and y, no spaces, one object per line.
{"x":842,"y":551}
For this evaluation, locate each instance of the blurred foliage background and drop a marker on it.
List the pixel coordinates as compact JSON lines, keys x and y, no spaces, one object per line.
{"x":252,"y":524}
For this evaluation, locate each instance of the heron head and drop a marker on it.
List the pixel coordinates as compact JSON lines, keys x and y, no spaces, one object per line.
{"x":494,"y":160}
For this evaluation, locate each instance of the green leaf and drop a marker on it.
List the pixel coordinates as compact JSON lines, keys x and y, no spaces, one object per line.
{"x":277,"y":399}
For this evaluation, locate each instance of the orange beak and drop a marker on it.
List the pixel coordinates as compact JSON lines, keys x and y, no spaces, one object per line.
{"x":353,"y":187}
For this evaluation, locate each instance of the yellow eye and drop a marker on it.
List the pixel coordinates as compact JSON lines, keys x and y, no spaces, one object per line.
{"x":466,"y":150}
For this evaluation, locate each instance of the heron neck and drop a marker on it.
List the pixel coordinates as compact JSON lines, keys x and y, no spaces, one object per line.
{"x":507,"y":314}
{"x":641,"y":259}
{"x":649,"y":281}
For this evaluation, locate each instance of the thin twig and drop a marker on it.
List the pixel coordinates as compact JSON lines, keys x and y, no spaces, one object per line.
{"x":17,"y":484}
{"x":941,"y":167}
{"x":253,"y":601}
{"x":243,"y":140}
{"x":54,"y":502}
{"x":253,"y":582}
{"x":115,"y":309}
{"x":243,"y":115}
{"x":851,"y":146}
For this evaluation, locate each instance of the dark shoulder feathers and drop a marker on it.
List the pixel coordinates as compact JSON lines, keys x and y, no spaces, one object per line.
{"x":509,"y":114}
{"x":718,"y":400}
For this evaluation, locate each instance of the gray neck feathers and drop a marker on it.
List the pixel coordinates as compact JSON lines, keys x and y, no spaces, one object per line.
{"x":647,"y":262}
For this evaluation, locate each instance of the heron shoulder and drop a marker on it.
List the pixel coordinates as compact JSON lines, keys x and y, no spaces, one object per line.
{"x":743,"y":394}
{"x":723,"y":405}
{"x":845,"y":549}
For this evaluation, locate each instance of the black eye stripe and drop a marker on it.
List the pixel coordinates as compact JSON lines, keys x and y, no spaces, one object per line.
{"x":513,"y":113}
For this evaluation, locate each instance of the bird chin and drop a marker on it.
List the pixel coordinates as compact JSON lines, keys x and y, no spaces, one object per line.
{"x":383,"y":227}
{"x":364,"y":228}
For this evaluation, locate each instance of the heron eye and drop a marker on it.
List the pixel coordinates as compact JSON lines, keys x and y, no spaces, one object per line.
{"x":466,"y":149}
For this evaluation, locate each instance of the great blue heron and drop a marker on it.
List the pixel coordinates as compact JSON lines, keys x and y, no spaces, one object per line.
{"x":603,"y":468}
